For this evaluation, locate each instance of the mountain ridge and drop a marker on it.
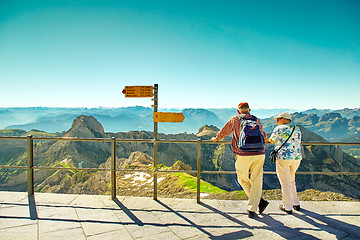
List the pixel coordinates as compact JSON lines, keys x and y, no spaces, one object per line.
{"x":342,"y":125}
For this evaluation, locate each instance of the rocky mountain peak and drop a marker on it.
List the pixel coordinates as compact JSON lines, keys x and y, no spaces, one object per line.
{"x":139,"y":157}
{"x":355,"y":121}
{"x":86,"y":127}
{"x":89,"y":121}
{"x":207,"y":130}
{"x":179,"y":165}
{"x":329,"y":116}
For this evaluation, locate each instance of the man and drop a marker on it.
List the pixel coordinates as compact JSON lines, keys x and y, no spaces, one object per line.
{"x":247,"y":160}
{"x":288,"y":160}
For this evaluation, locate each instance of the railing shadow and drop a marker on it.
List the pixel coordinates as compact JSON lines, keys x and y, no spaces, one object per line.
{"x":281,"y":229}
{"x":225,"y":215}
{"x":309,"y":217}
{"x":284,"y":231}
{"x":233,"y":235}
{"x":128,"y":212}
{"x":32,"y":208}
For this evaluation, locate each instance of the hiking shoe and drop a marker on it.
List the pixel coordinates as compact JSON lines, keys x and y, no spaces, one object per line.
{"x":251,"y":214}
{"x":262,"y":205}
{"x":296,"y":207}
{"x":281,"y":207}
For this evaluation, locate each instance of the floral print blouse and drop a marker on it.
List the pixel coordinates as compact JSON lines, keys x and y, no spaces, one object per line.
{"x":291,"y":149}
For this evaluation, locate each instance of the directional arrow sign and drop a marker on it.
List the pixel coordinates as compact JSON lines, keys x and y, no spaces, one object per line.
{"x":138,"y":91}
{"x":168,"y":117}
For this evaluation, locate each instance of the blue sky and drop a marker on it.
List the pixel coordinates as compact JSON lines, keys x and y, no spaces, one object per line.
{"x":203,"y":54}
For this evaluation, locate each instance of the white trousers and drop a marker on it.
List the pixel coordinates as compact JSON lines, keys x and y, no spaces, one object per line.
{"x":253,"y":186}
{"x":286,"y":170}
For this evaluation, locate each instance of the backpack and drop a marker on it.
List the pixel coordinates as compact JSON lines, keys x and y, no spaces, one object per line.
{"x":250,"y":137}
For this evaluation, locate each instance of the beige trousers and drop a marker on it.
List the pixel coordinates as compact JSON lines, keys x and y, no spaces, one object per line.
{"x":253,"y":186}
{"x":286,"y":170}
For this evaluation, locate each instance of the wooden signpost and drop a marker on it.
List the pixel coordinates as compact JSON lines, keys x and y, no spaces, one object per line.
{"x":148,"y":91}
{"x":152,"y":91}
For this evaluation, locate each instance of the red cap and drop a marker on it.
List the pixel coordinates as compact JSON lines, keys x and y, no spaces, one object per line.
{"x":243,"y":105}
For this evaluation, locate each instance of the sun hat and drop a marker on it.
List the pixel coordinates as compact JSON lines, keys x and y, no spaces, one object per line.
{"x":283,"y":115}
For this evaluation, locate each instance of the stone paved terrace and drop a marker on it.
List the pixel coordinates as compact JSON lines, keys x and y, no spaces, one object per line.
{"x":65,"y":216}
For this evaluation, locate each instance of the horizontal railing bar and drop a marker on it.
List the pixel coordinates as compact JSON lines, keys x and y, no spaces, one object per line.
{"x":230,"y":172}
{"x":303,"y":173}
{"x":135,"y":140}
{"x":12,"y":137}
{"x":71,"y":168}
{"x":134,"y":170}
{"x":330,"y":173}
{"x":182,"y":171}
{"x":159,"y":140}
{"x":218,"y":142}
{"x":177,"y":141}
{"x":219,"y":172}
{"x":330,"y":143}
{"x":158,"y":170}
{"x":99,"y":169}
{"x":171,"y":171}
{"x":73,"y":139}
{"x":21,"y":167}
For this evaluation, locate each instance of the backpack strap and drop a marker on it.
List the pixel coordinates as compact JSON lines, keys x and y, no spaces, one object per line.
{"x":242,"y":124}
{"x":252,"y":118}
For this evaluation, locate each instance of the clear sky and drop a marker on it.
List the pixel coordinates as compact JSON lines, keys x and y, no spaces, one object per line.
{"x":295,"y":54}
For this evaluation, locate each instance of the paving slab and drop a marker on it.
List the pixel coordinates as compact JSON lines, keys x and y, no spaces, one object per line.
{"x":19,"y":233}
{"x":91,"y":217}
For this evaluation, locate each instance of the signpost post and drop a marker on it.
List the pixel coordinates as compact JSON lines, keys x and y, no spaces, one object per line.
{"x":152,"y":91}
{"x":156,"y":89}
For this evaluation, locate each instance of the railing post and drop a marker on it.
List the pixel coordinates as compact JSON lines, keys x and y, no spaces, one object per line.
{"x":113,"y":168}
{"x":198,"y":170}
{"x":30,"y":165}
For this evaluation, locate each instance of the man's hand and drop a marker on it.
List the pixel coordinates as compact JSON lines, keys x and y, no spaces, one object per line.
{"x":213,"y":139}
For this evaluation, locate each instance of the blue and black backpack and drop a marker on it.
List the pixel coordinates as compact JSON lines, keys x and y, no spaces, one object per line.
{"x":250,"y":137}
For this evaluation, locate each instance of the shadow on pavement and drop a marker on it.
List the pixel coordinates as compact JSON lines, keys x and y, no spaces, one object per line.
{"x":273,"y":225}
{"x":128,"y":212}
{"x":232,"y":235}
{"x":32,"y":207}
{"x":326,"y":221}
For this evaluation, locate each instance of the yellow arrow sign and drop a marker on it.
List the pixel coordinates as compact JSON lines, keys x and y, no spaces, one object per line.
{"x":138,"y":91}
{"x":168,"y":117}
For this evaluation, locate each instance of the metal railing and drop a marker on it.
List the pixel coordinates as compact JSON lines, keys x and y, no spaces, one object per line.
{"x":30,"y":160}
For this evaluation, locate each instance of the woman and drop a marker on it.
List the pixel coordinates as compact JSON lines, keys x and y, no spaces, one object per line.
{"x":288,"y":160}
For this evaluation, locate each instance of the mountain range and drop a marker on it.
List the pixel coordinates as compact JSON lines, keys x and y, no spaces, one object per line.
{"x":213,"y":158}
{"x":332,"y":125}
